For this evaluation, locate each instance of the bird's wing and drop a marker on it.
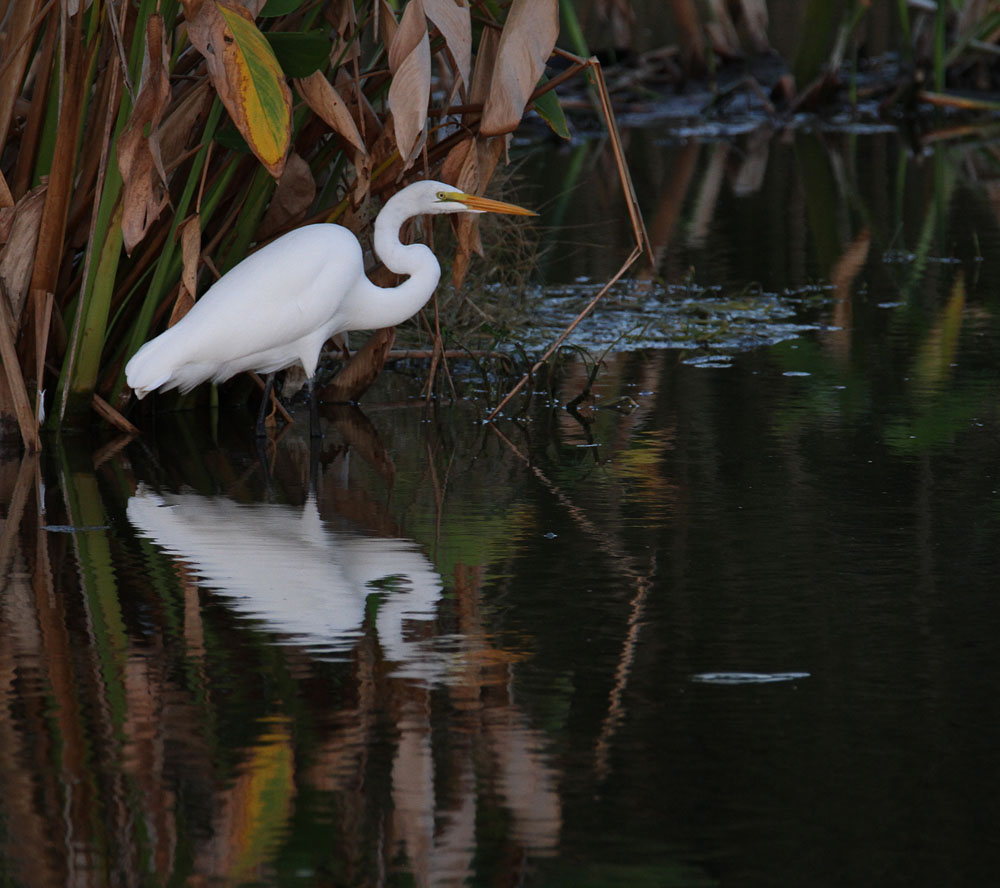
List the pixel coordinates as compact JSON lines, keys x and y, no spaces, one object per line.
{"x":281,"y":293}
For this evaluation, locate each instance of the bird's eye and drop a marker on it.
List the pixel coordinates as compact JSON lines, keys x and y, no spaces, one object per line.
{"x":441,"y":196}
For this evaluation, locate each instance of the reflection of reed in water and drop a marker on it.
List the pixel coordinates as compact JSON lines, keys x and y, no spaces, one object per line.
{"x":282,"y":565}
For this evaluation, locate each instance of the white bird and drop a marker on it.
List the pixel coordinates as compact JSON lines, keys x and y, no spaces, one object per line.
{"x":280,"y":304}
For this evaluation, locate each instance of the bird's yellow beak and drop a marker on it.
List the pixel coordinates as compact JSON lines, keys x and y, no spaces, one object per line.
{"x":485,"y":205}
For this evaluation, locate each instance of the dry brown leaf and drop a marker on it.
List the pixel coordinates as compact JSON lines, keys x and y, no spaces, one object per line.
{"x":454,"y":22}
{"x":323,"y":98}
{"x":182,"y":305}
{"x":16,"y":25}
{"x":474,"y":174}
{"x":369,"y":124}
{"x":455,"y":160}
{"x":293,"y":196}
{"x":486,"y":62}
{"x":15,"y":389}
{"x":189,"y":233}
{"x":385,"y":22}
{"x":363,"y":177}
{"x":6,"y":198}
{"x":355,"y":379}
{"x":411,"y":31}
{"x":18,"y":254}
{"x":345,"y":22}
{"x":176,"y":130}
{"x":410,"y":90}
{"x":528,"y":38}
{"x":145,"y":190}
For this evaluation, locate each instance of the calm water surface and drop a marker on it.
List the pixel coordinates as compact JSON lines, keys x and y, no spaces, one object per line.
{"x":743,"y":633}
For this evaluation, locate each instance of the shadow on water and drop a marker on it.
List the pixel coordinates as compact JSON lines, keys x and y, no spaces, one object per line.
{"x":739,"y":629}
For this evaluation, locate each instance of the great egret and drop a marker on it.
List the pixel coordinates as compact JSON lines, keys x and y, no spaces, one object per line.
{"x":280,"y":304}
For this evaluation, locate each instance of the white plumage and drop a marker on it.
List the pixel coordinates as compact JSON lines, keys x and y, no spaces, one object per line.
{"x":280,"y":304}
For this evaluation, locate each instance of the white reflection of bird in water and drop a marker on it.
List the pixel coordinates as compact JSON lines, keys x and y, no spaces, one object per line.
{"x":282,"y":565}
{"x":309,"y":584}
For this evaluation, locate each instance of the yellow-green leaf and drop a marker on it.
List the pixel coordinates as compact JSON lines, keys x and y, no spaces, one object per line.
{"x":261,"y":90}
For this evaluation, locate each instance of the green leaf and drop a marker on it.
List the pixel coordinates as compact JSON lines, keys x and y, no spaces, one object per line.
{"x":300,"y":52}
{"x":548,"y":108}
{"x":274,"y":8}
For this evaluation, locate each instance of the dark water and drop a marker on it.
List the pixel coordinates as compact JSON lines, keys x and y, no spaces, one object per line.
{"x":742,"y":634}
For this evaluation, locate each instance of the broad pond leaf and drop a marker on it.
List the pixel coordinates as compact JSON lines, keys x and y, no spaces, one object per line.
{"x":300,"y":52}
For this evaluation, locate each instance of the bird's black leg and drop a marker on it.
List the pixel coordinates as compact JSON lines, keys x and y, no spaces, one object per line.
{"x":264,"y":404}
{"x":314,"y":429}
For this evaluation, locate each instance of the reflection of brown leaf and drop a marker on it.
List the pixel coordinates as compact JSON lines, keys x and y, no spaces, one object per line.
{"x":722,"y":31}
{"x":454,"y":22}
{"x":842,"y":276}
{"x":851,"y":261}
{"x":145,"y":191}
{"x":361,"y":437}
{"x":323,"y":98}
{"x":749,"y":176}
{"x":409,"y":92}
{"x":354,"y":380}
{"x":528,"y":38}
{"x":294,"y":195}
{"x":755,"y":20}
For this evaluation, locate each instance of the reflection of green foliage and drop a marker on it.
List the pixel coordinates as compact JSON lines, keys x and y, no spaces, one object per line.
{"x":940,"y":422}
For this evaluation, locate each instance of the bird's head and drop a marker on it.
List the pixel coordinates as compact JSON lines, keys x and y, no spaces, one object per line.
{"x":437,"y":197}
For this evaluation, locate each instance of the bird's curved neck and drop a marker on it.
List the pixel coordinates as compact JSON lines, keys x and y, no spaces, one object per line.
{"x":388,"y":306}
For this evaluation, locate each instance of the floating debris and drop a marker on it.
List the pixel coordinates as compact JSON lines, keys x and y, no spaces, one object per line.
{"x":705,"y":321}
{"x":735,"y":678}
{"x":69,"y":528}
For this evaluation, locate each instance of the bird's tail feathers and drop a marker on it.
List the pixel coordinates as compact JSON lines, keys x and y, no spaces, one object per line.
{"x":149,"y":369}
